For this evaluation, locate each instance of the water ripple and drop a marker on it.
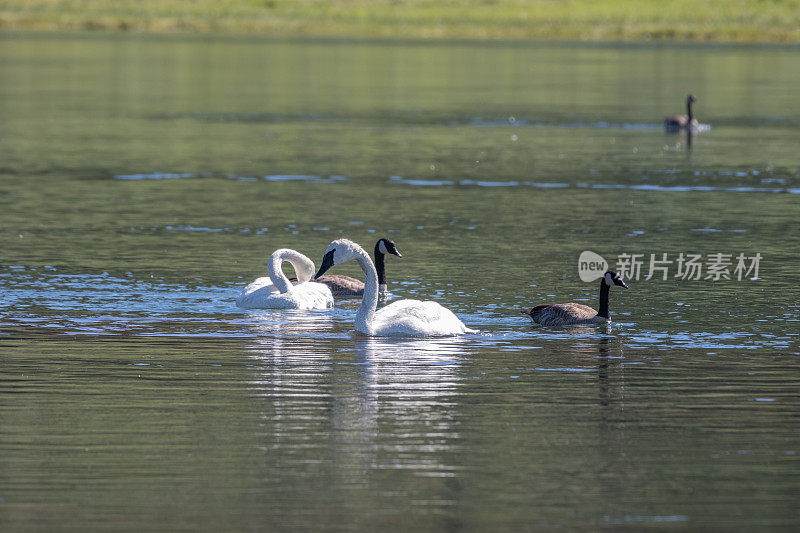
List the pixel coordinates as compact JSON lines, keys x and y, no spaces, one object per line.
{"x":421,"y":119}
{"x":109,"y":305}
{"x":399,"y":180}
{"x":156,"y":176}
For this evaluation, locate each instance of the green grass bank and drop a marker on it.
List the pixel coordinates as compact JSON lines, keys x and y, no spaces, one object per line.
{"x":629,"y":20}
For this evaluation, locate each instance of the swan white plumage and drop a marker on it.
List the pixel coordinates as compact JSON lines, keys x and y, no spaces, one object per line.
{"x":277,"y":292}
{"x":404,"y":318}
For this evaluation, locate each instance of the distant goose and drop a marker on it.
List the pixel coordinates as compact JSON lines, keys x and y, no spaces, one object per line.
{"x":682,"y":122}
{"x":277,"y":292}
{"x":572,"y":313}
{"x":404,"y":318}
{"x":347,"y":287}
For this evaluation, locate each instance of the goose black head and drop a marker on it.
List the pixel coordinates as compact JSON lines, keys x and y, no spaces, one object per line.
{"x":612,"y":278}
{"x":387,"y":246}
{"x":690,"y":99}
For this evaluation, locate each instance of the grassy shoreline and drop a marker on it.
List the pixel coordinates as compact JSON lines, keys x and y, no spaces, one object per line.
{"x":771,"y":21}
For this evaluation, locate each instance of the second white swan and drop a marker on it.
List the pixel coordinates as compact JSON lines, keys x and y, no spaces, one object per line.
{"x":404,"y":318}
{"x":277,"y":292}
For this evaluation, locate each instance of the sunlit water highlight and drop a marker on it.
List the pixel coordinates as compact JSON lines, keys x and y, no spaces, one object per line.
{"x":107,"y":305}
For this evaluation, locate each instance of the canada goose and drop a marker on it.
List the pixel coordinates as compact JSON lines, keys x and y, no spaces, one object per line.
{"x":682,"y":122}
{"x":407,"y":318}
{"x":347,"y":287}
{"x":572,"y":313}
{"x":277,"y":292}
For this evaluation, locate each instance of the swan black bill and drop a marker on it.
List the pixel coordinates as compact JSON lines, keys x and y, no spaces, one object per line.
{"x":327,"y":262}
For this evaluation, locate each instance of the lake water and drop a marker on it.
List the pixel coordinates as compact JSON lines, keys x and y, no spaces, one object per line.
{"x":145,"y":180}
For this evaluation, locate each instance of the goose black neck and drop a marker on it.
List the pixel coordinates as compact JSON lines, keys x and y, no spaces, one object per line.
{"x":379,"y":265}
{"x":689,"y":110}
{"x":603,"y":311}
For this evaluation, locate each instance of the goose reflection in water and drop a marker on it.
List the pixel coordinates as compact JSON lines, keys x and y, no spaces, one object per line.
{"x":614,"y":419}
{"x":683,"y":139}
{"x":605,"y":354}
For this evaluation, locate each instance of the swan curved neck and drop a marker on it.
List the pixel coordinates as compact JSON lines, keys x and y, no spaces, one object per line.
{"x":603,"y":310}
{"x":303,"y":267}
{"x":369,"y":301}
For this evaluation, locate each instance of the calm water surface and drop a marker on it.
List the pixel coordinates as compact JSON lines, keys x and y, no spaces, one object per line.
{"x":145,"y":180}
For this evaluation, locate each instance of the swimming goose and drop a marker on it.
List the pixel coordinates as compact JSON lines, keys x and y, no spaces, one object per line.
{"x":404,"y":318}
{"x":347,"y":287}
{"x":572,"y":313}
{"x":682,"y":122}
{"x":277,"y":292}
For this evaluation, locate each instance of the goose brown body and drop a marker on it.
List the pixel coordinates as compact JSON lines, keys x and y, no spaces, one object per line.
{"x":682,"y":122}
{"x":564,"y":314}
{"x":679,"y":122}
{"x":343,"y":286}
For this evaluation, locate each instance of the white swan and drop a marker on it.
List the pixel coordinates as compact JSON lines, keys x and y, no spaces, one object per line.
{"x":404,"y":318}
{"x":277,"y":292}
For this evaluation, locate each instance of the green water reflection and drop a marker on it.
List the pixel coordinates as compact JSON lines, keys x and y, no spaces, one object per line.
{"x":143,"y":180}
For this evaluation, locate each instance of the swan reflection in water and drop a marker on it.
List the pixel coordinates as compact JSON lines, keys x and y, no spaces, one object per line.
{"x":291,"y":323}
{"x":350,"y":402}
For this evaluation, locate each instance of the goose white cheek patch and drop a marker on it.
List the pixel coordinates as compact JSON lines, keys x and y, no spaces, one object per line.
{"x":609,"y":281}
{"x":382,"y":248}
